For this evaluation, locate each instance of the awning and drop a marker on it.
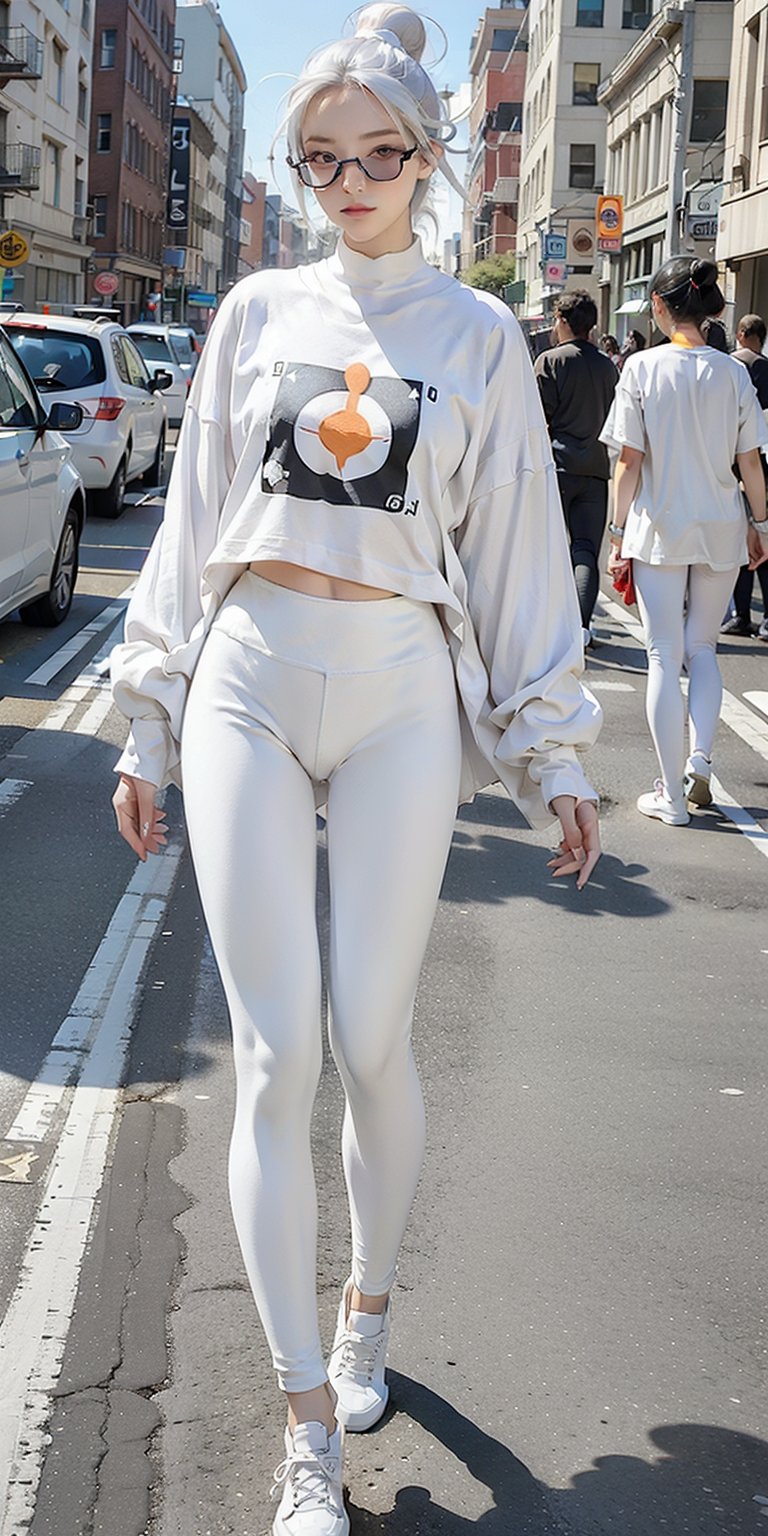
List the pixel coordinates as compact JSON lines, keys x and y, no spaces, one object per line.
{"x":632,"y":307}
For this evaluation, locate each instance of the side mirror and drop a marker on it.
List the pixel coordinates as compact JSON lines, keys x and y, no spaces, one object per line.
{"x":64,"y":416}
{"x":161,"y":379}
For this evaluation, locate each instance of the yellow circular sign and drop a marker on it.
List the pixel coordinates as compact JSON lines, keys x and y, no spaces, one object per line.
{"x":14,"y":249}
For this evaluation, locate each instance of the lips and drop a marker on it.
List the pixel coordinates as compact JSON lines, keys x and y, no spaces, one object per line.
{"x":357,"y":208}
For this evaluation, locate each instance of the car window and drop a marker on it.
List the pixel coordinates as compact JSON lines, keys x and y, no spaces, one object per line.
{"x":182,"y":346}
{"x":58,"y":360}
{"x":137,"y":372}
{"x":17,"y":408}
{"x":120,"y":360}
{"x":154,"y":349}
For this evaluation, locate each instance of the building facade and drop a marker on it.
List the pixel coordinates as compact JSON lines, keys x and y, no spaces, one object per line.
{"x":45,"y":103}
{"x":666,"y":105}
{"x":572,"y":45}
{"x":497,"y":65}
{"x":212,"y":82}
{"x":742,"y":239}
{"x":252,"y":224}
{"x":130,"y":139}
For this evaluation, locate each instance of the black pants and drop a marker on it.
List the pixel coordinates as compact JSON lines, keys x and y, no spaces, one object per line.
{"x":742,"y":592}
{"x":585,"y":504}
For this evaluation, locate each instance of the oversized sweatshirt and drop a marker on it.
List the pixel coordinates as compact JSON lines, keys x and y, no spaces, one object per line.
{"x":379,"y":422}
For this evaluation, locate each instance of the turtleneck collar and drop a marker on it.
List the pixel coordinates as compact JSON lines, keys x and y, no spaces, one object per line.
{"x":377,"y":272}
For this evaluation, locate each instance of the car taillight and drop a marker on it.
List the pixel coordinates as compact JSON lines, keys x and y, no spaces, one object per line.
{"x":108,"y":408}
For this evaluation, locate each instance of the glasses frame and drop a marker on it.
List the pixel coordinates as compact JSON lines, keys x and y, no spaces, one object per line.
{"x":298,"y":165}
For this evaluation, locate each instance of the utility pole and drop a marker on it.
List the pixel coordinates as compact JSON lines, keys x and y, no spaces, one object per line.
{"x":678,"y":140}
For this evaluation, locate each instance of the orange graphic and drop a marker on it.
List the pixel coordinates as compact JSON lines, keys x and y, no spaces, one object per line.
{"x":347,"y":433}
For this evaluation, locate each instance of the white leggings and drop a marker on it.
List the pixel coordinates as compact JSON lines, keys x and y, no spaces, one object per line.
{"x":292,"y":692}
{"x":674,"y":636}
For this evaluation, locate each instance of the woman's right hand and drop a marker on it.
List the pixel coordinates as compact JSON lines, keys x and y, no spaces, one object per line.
{"x":617,"y":563}
{"x":139,"y":820}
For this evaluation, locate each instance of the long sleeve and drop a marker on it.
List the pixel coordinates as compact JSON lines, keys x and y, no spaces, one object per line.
{"x":521,"y":593}
{"x":152,"y":668}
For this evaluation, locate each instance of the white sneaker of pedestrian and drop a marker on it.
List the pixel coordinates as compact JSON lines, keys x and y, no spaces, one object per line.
{"x":312,"y":1502}
{"x":696,"y":785}
{"x":357,"y":1365}
{"x":659,"y":804}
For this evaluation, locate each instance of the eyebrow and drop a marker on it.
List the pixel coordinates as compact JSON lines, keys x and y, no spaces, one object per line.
{"x":378,"y":133}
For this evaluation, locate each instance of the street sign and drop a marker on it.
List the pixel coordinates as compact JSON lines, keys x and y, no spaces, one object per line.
{"x":554,"y":246}
{"x":514,"y":293}
{"x":555,"y":273}
{"x":106,"y":283}
{"x":702,"y":228}
{"x":609,"y":222}
{"x":14,"y":249}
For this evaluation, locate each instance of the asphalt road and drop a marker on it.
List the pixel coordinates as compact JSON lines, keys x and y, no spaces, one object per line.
{"x":579,"y":1341}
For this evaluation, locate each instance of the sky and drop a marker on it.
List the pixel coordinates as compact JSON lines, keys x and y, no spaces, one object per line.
{"x":276,"y":39}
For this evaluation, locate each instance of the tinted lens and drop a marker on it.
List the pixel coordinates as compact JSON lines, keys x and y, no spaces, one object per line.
{"x":318,"y":174}
{"x":382,"y":168}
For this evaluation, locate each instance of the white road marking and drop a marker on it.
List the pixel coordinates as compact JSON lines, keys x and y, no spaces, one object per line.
{"x":34,"y":1330}
{"x":602,"y":685}
{"x":66,"y":653}
{"x":736,"y":813}
{"x":94,"y":675}
{"x":758,"y":700}
{"x":12,"y":790}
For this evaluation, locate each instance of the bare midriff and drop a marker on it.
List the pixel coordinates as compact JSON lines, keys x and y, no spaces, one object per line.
{"x":315,"y":583}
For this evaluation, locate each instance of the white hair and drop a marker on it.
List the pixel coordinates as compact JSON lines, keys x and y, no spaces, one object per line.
{"x":382,"y":58}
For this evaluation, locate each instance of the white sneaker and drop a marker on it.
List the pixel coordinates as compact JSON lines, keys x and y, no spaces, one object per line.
{"x":357,"y":1365}
{"x":696,"y":785}
{"x":659,"y":804}
{"x":312,"y":1502}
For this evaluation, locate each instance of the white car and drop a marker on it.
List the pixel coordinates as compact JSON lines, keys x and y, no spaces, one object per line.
{"x":94,"y":362}
{"x":186,"y":346}
{"x":42,"y":501}
{"x":157,"y":346}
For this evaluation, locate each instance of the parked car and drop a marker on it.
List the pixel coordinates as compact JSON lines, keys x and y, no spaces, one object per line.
{"x":158,"y":349}
{"x":187,"y":346}
{"x":42,"y":500}
{"x":93,"y":361}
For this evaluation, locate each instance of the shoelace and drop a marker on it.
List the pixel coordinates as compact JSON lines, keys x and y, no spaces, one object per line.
{"x":313,"y":1475}
{"x":360,"y":1355}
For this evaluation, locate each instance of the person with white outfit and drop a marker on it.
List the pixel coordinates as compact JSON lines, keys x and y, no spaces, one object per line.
{"x":681,"y":416}
{"x":347,"y":607}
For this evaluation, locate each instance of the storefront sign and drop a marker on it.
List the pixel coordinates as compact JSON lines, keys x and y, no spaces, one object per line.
{"x":553,"y":247}
{"x":580,"y":251}
{"x":178,"y":190}
{"x":609,"y":223}
{"x":14,"y":249}
{"x":106,"y":283}
{"x":555,"y":273}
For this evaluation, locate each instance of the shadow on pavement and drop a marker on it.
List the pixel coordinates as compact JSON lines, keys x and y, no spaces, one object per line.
{"x":703,"y":1480}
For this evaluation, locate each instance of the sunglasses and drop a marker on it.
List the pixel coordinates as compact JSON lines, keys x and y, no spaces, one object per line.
{"x":321,"y":169}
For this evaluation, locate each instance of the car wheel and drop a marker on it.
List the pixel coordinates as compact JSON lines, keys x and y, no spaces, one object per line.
{"x":54,"y":605}
{"x":154,"y":475}
{"x":111,"y":502}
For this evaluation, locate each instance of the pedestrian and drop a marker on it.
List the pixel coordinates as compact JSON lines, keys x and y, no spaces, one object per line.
{"x":576,"y":383}
{"x":681,"y":415}
{"x":750,"y":340}
{"x":633,"y":342}
{"x":350,"y":577}
{"x":610,"y":346}
{"x":714,"y":334}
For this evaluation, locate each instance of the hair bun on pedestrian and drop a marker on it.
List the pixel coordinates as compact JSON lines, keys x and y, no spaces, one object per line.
{"x":405,"y":27}
{"x":704,"y":274}
{"x":689,"y":288}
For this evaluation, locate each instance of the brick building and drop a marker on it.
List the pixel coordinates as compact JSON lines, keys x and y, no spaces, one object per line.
{"x":497,"y":80}
{"x":130,"y":136}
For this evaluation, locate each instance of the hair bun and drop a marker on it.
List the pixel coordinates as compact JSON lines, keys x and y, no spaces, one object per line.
{"x":406,"y":25}
{"x":704,"y":274}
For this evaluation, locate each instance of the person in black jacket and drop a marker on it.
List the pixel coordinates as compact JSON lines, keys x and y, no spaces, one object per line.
{"x":576,"y":383}
{"x":750,"y":340}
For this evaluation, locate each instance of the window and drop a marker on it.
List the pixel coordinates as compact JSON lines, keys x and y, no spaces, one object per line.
{"x":507,"y":117}
{"x":589,"y":13}
{"x":82,"y":102}
{"x":17,"y":406}
{"x":503,"y":39}
{"x":99,"y":217}
{"x":636,"y":14}
{"x":710,"y":100}
{"x":79,"y":190}
{"x":52,"y":163}
{"x":586,"y":78}
{"x":108,"y":47}
{"x":85,"y":16}
{"x":138,"y":375}
{"x":103,"y":133}
{"x":58,"y":360}
{"x":582,"y":166}
{"x":58,"y":73}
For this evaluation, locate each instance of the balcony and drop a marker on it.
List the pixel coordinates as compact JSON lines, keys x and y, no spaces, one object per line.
{"x":505,"y":189}
{"x":19,"y":168}
{"x":21,"y":55}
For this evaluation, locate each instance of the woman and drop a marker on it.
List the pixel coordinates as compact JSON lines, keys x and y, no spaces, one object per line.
{"x":363,"y":563}
{"x":681,"y":415}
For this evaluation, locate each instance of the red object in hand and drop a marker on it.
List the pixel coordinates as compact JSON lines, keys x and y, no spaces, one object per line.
{"x":624,"y":583}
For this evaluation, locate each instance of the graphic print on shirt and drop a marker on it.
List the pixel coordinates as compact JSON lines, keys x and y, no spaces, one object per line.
{"x":344,"y":438}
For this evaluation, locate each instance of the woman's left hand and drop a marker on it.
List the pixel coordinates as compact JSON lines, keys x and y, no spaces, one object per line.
{"x":580,"y":846}
{"x":616,"y":561}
